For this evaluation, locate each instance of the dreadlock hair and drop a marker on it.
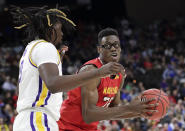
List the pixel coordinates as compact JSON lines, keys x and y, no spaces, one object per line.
{"x":39,"y":21}
{"x":106,"y":32}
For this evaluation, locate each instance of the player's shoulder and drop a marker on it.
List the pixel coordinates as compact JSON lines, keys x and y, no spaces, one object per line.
{"x":42,"y":44}
{"x":40,"y":41}
{"x":46,"y":43}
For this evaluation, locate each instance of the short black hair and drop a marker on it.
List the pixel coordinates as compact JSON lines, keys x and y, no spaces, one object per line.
{"x":39,"y":21}
{"x":106,"y":32}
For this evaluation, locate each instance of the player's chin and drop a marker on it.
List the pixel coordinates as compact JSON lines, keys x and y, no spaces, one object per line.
{"x":114,"y":59}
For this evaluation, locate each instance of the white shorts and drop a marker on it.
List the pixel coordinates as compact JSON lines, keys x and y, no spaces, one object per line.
{"x":34,"y":121}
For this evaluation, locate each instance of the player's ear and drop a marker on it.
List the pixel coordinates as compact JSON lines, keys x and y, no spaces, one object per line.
{"x":98,"y":49}
{"x":53,"y":32}
{"x":50,"y":34}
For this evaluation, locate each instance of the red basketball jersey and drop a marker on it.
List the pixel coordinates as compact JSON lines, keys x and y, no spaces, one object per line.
{"x":71,"y":112}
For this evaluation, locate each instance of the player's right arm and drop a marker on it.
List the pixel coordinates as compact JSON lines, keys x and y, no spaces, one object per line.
{"x":92,"y":113}
{"x":45,"y":57}
{"x":50,"y":75}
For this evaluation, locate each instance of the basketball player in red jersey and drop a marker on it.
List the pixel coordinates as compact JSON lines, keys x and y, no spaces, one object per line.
{"x":100,"y":99}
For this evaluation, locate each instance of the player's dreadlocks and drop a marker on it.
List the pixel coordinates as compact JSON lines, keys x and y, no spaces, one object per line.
{"x":39,"y":21}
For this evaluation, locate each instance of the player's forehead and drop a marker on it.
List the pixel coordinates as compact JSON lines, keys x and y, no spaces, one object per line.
{"x":110,"y":39}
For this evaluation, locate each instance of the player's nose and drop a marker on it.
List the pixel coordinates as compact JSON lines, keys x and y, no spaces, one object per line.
{"x":112,"y":48}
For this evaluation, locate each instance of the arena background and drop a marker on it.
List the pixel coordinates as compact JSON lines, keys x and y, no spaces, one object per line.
{"x":152,"y":34}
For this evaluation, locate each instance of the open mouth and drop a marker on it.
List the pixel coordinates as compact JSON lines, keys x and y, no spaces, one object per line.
{"x":114,"y":54}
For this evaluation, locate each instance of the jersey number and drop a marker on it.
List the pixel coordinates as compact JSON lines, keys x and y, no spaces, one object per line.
{"x":21,"y":66}
{"x":107,"y":100}
{"x":20,"y":70}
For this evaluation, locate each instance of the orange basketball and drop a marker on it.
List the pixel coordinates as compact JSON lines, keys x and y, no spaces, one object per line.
{"x":161,"y":98}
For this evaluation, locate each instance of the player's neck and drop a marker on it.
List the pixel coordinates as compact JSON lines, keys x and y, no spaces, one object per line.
{"x":102,"y":62}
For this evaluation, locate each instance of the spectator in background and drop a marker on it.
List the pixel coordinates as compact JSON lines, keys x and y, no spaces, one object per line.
{"x":3,"y":125}
{"x":169,"y":72}
{"x":8,"y":85}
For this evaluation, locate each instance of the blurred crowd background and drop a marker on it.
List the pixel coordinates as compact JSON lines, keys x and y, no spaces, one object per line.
{"x":152,"y":53}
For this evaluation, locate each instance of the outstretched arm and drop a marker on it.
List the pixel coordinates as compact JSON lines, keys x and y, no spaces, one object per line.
{"x":50,"y":75}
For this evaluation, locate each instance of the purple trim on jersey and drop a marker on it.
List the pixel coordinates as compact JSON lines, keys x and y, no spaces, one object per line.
{"x":46,"y":122}
{"x":46,"y":100}
{"x":39,"y":92}
{"x":31,"y":122}
{"x":32,"y":64}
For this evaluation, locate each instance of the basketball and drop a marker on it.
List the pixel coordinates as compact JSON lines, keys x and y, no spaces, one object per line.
{"x":161,"y":99}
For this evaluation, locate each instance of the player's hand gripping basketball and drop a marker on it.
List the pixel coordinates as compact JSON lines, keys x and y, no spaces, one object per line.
{"x":141,"y":107}
{"x":111,"y":68}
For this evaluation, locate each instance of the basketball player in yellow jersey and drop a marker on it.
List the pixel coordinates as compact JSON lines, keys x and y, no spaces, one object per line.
{"x":40,"y":77}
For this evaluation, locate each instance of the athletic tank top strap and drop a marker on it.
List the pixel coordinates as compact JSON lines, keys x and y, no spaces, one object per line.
{"x":95,"y":62}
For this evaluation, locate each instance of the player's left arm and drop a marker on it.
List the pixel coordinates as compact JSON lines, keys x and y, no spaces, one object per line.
{"x":117,"y":102}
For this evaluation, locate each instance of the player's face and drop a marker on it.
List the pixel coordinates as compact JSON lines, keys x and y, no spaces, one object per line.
{"x":57,"y":34}
{"x":110,"y":49}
